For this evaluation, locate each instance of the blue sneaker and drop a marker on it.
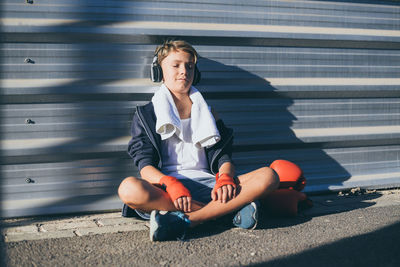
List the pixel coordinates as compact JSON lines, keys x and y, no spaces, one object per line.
{"x":247,"y":217}
{"x":168,"y":225}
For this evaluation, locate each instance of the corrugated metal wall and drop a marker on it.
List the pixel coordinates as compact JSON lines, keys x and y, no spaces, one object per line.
{"x":315,"y":82}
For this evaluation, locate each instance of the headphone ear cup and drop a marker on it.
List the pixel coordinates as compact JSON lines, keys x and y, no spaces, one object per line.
{"x":197,"y":76}
{"x":156,"y":74}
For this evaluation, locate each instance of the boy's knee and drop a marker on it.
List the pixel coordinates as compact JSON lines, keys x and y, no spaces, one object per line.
{"x":132,"y":191}
{"x":271,"y":178}
{"x":123,"y":189}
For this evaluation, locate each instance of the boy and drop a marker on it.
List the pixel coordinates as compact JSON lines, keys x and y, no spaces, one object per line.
{"x":183,"y":152}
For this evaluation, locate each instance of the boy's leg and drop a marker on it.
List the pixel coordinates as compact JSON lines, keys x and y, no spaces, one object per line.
{"x":253,"y":185}
{"x":142,"y":195}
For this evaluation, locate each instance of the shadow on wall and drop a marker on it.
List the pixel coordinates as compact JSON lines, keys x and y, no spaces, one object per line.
{"x":83,"y":173}
{"x":2,"y":243}
{"x":84,"y":116}
{"x":83,"y":168}
{"x":263,"y":124}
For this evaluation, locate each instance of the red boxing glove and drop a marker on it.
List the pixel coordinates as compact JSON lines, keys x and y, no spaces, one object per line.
{"x":290,"y":175}
{"x":175,"y":189}
{"x":223,"y":179}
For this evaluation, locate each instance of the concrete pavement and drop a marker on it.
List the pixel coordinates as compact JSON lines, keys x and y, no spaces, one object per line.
{"x":334,"y":218}
{"x":35,"y":228}
{"x":15,"y":230}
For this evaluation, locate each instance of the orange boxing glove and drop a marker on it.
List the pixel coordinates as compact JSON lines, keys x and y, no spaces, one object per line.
{"x":221,"y":180}
{"x":290,"y":175}
{"x":175,"y":189}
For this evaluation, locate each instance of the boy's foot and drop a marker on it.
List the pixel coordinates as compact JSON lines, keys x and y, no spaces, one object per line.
{"x":247,"y":217}
{"x":168,"y":225}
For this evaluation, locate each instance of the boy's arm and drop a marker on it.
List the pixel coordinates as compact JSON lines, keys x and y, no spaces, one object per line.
{"x":225,"y":186}
{"x":178,"y":193}
{"x":151,"y":174}
{"x":227,"y":168}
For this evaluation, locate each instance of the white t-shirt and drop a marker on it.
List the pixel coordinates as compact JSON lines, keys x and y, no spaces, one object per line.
{"x":181,"y":158}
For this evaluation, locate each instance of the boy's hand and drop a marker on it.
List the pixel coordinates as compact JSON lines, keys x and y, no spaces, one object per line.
{"x":178,"y":193}
{"x":183,"y":204}
{"x":224,"y":189}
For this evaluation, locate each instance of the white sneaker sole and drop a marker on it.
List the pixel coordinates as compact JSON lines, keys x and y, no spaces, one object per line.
{"x":153,"y":225}
{"x":254,"y":215}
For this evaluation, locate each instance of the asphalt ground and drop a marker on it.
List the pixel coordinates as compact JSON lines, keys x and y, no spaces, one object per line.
{"x":355,"y":229}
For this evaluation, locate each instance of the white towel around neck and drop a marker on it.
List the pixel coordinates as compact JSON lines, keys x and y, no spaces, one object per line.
{"x":204,"y":128}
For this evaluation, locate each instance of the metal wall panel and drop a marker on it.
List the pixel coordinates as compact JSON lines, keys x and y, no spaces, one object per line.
{"x":315,"y":82}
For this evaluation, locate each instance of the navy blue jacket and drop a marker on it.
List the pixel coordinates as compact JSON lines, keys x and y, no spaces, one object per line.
{"x":145,"y":144}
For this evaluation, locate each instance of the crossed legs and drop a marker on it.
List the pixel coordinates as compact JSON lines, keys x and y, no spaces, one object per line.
{"x":140,"y":194}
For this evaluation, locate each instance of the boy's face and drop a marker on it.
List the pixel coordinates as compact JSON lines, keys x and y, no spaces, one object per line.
{"x":178,"y":71}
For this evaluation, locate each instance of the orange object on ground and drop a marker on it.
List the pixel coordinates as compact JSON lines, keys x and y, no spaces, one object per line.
{"x":290,"y":175}
{"x":287,"y":199}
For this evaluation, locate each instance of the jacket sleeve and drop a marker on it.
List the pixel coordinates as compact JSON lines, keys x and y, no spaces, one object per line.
{"x":227,"y":138}
{"x":140,"y":147}
{"x":221,"y":152}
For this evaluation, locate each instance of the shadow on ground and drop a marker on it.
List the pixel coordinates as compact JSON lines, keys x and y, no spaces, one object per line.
{"x":379,"y":248}
{"x":266,"y":221}
{"x":323,"y":205}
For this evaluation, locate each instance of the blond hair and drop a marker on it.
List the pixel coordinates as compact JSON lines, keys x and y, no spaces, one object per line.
{"x":163,"y":50}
